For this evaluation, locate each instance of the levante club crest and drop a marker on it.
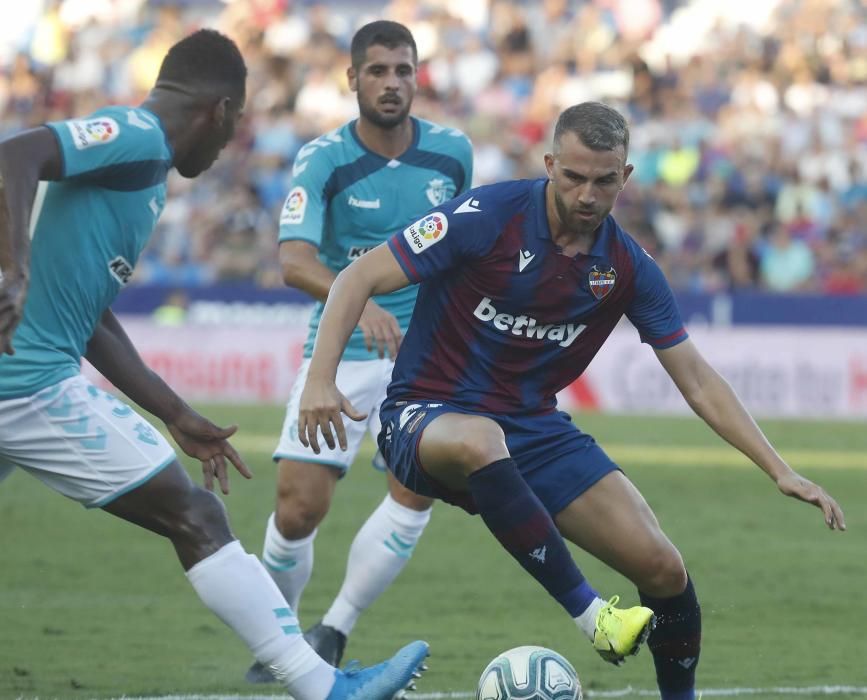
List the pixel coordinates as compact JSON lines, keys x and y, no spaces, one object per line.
{"x":602,"y":282}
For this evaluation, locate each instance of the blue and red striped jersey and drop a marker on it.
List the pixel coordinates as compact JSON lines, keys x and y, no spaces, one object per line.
{"x":504,"y":320}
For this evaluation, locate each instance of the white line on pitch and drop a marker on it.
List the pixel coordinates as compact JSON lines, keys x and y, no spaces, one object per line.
{"x":780,"y":691}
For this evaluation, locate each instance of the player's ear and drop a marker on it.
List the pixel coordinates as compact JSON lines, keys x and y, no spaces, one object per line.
{"x":219,"y":111}
{"x":549,"y":166}
{"x":627,"y":171}
{"x":352,"y":77}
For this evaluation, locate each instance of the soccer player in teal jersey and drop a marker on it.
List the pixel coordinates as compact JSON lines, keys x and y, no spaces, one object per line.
{"x":349,"y":189}
{"x":107,"y":186}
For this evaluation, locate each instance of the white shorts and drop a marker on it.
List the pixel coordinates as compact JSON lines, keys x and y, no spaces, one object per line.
{"x":80,"y":441}
{"x":364,"y":383}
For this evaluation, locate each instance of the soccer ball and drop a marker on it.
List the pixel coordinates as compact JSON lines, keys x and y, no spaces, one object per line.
{"x":529,"y":673}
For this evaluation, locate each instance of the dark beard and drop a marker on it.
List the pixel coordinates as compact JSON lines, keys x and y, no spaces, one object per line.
{"x":383,"y":121}
{"x":562,"y":211}
{"x":580,"y":227}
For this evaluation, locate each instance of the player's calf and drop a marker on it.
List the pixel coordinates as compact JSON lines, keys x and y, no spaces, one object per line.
{"x":379,"y":552}
{"x":676,"y":642}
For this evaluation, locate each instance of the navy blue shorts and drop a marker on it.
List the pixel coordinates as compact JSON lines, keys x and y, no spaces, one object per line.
{"x":556,"y":459}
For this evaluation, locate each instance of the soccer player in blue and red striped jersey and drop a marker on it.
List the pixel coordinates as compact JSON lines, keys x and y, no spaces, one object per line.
{"x":520,"y":285}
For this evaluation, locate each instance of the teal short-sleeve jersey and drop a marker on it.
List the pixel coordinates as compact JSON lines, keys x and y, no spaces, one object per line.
{"x":87,"y":237}
{"x":345,"y":200}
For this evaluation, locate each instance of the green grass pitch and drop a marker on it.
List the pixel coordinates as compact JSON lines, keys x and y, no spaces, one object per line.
{"x":91,"y":607}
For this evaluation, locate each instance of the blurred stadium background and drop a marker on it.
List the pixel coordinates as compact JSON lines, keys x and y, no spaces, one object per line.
{"x":749,"y":136}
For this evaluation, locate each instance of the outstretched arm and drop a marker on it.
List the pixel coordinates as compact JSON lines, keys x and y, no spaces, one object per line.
{"x":25,"y":159}
{"x":112,"y":353}
{"x":713,"y":399}
{"x":376,"y":272}
{"x":302,"y":269}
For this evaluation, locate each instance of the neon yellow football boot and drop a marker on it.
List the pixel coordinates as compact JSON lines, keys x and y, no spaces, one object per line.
{"x":620,"y":633}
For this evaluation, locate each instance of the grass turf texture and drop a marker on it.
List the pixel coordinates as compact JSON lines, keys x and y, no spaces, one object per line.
{"x":93,"y":607}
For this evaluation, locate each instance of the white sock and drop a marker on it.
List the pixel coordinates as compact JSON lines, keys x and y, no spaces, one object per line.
{"x":587,"y":620}
{"x":238,"y":590}
{"x":290,"y":562}
{"x":378,"y":554}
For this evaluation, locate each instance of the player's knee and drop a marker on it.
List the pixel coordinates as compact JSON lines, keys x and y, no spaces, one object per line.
{"x":401,"y":495}
{"x":477,"y":443}
{"x":201,"y":520}
{"x":298,"y":513}
{"x":413,"y":501}
{"x":664,"y":574}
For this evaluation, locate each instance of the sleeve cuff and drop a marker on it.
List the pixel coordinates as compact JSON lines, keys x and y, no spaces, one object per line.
{"x":668,"y":341}
{"x":404,"y":261}
{"x":281,"y":238}
{"x":53,"y":128}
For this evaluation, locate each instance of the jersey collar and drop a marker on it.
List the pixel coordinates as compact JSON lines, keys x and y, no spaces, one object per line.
{"x":416,"y":136}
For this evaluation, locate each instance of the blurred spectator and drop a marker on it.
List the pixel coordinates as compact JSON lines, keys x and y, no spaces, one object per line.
{"x":749,"y":124}
{"x":173,"y":311}
{"x":787,"y":264}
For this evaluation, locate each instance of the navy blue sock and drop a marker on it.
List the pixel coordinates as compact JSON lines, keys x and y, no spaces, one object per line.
{"x":676,"y":642}
{"x":517,"y":518}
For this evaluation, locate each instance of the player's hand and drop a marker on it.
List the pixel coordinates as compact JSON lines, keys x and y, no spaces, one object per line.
{"x":797,"y":486}
{"x":208,"y":443}
{"x":13,"y":294}
{"x":381,"y":329}
{"x":320,"y":409}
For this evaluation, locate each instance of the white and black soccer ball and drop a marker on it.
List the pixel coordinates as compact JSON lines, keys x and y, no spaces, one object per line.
{"x":529,"y":673}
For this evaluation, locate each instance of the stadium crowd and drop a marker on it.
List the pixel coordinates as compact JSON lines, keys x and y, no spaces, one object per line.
{"x":749,"y":132}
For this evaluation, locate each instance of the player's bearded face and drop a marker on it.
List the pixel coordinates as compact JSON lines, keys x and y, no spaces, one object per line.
{"x":586,"y":183}
{"x":386,"y":85}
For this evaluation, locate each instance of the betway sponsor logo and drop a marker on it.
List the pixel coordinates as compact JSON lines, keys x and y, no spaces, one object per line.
{"x":527,"y":326}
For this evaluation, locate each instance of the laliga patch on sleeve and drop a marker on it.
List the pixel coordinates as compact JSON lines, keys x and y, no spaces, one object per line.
{"x":295,"y":206}
{"x":427,"y":231}
{"x":92,"y":132}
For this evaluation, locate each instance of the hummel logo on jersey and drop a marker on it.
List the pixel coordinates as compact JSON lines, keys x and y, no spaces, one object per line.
{"x":527,"y":326}
{"x":539,"y":554}
{"x":686,"y":663}
{"x":469,"y":207}
{"x":364,"y":203}
{"x":525,"y":257}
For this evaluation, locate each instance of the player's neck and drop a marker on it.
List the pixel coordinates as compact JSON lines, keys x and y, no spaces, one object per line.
{"x":175,"y":121}
{"x":389,"y":143}
{"x":573,"y":242}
